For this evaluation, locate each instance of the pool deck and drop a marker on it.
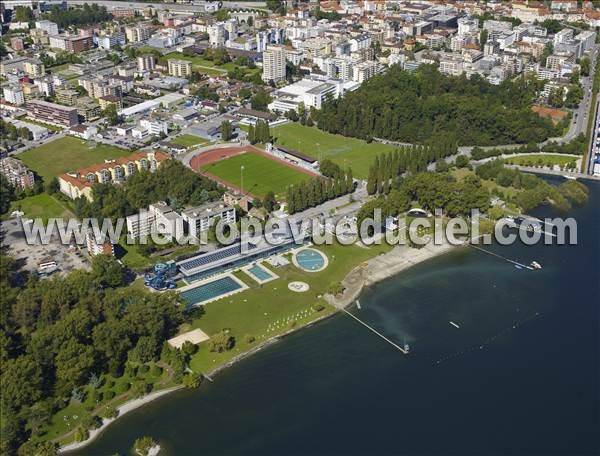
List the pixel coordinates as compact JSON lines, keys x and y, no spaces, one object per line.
{"x":214,"y":278}
{"x":247,"y":268}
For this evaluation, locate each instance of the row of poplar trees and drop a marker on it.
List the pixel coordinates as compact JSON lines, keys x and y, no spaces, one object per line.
{"x":312,"y":192}
{"x":259,"y":133}
{"x":407,"y":159}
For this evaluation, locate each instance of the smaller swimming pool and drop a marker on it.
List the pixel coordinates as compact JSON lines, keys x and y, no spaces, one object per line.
{"x":211,"y":290}
{"x":260,"y":273}
{"x":310,"y":260}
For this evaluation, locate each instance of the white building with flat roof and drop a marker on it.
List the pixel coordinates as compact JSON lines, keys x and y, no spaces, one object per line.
{"x":310,"y":91}
{"x":200,"y":218}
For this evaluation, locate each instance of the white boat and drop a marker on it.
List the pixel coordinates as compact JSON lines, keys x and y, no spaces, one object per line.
{"x":536,"y":265}
{"x":569,"y":177}
{"x":455,"y":325}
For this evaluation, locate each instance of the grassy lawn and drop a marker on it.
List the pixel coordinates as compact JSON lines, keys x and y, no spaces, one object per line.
{"x":319,"y":144}
{"x":189,"y":140}
{"x":68,"y":154}
{"x":209,"y":67}
{"x":492,"y":186}
{"x":68,"y":418}
{"x":542,"y":160}
{"x":41,"y":206}
{"x":261,"y":174}
{"x":255,"y":312}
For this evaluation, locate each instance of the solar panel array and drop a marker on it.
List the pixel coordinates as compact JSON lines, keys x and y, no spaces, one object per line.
{"x":213,"y":257}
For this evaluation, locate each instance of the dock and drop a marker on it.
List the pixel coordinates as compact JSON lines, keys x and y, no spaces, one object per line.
{"x":370,"y":328}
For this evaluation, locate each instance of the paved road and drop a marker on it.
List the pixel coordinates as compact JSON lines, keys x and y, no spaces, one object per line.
{"x":111,"y":4}
{"x":589,"y":164}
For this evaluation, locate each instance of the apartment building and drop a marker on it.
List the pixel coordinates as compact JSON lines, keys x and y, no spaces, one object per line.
{"x":200,"y":218}
{"x":159,"y":218}
{"x":146,"y":63}
{"x":95,"y":247}
{"x":17,"y":173}
{"x":273,"y":64}
{"x":79,"y":183}
{"x":74,"y":44}
{"x":52,"y":113}
{"x":34,"y":68}
{"x":180,"y":68}
{"x":14,"y":94}
{"x":51,"y":28}
{"x":111,"y":41}
{"x":137,"y":34}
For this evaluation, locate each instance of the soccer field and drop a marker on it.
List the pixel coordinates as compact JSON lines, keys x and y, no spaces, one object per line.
{"x":344,"y":151}
{"x":260,"y":174}
{"x":67,"y":154}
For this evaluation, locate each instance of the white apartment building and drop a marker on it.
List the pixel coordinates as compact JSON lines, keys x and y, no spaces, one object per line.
{"x":51,"y":28}
{"x":217,"y":35}
{"x":273,"y":64}
{"x":366,"y":70}
{"x":146,"y":63}
{"x":200,"y":218}
{"x":112,"y":40}
{"x":180,"y":68}
{"x":137,"y":34}
{"x":14,"y":95}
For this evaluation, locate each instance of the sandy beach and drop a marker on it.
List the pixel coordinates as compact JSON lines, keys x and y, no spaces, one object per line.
{"x":383,"y":267}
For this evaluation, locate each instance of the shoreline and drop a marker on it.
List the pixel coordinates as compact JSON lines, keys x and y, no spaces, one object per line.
{"x":372,"y":271}
{"x":123,"y":409}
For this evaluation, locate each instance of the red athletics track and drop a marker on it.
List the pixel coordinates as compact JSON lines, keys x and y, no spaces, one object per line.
{"x":214,"y":155}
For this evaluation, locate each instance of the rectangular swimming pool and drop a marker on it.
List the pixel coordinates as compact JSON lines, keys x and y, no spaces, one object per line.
{"x":260,"y":273}
{"x":210,"y":290}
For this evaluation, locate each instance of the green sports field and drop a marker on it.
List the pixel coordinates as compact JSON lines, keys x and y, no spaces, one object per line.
{"x":189,"y":140}
{"x":68,"y":154}
{"x":342,"y":150}
{"x":261,"y":174}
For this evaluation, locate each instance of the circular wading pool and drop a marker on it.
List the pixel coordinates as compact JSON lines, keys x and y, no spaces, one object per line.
{"x":310,"y":260}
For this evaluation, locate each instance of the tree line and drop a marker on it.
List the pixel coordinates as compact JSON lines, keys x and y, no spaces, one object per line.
{"x":259,"y":132}
{"x":413,"y":107}
{"x":312,"y":192}
{"x":88,"y":14}
{"x":412,"y":159}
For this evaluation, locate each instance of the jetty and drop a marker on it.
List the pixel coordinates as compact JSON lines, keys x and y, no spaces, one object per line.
{"x":370,"y":328}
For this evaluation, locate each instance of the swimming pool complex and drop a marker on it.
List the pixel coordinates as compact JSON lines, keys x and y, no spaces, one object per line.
{"x":310,"y":260}
{"x":211,"y":290}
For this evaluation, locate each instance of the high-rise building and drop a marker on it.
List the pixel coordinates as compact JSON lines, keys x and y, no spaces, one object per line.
{"x":14,"y":95}
{"x":180,"y":68}
{"x":146,"y":62}
{"x":273,"y":64}
{"x":137,"y":34}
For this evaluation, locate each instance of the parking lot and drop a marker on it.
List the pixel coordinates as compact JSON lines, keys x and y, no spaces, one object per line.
{"x":28,"y":257}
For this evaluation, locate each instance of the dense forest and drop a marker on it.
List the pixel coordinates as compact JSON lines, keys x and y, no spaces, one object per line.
{"x":59,"y":335}
{"x":88,"y":14}
{"x":415,"y":107}
{"x":171,"y":182}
